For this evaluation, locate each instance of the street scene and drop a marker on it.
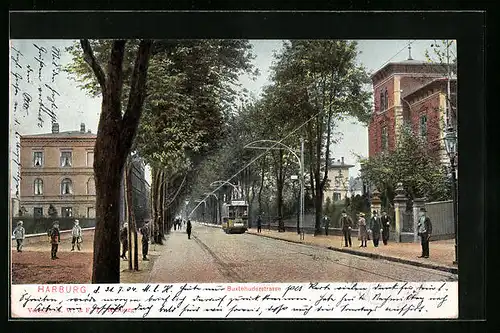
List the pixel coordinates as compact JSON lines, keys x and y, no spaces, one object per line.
{"x":235,"y":161}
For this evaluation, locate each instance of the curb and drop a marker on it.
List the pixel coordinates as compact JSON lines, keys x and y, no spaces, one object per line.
{"x":453,"y":270}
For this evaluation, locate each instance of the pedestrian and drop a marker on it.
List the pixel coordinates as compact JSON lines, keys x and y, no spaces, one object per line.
{"x":362,"y":231}
{"x":175,"y":224}
{"x":19,"y":234}
{"x":124,"y":240}
{"x":346,"y":224}
{"x":424,"y":231}
{"x":76,"y":233}
{"x":55,"y":239}
{"x":145,"y":240}
{"x":326,"y":224}
{"x":259,"y":224}
{"x":188,"y":229}
{"x":386,"y":225}
{"x":375,"y":228}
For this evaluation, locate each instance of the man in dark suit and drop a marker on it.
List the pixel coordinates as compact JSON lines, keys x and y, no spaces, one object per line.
{"x":424,"y":231}
{"x":386,"y":225}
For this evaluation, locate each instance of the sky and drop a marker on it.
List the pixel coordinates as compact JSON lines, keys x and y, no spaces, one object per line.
{"x":61,"y":97}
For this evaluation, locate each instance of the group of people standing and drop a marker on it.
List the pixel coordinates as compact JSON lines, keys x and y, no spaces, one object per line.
{"x":145,"y":233}
{"x":379,"y":226}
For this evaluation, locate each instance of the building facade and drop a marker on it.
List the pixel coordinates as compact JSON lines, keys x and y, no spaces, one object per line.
{"x":338,"y":186}
{"x":412,"y":93}
{"x":57,"y":174}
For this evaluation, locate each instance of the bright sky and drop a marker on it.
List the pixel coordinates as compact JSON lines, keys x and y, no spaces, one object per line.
{"x":75,"y":107}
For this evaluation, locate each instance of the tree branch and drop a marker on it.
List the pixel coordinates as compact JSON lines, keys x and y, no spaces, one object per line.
{"x":88,"y":56}
{"x":137,"y":91}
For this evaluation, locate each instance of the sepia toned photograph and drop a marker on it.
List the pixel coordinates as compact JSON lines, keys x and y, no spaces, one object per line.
{"x":233,"y":161}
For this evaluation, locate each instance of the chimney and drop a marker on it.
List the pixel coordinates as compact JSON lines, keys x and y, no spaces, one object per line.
{"x":342,"y":159}
{"x":55,"y":128}
{"x":82,"y":128}
{"x":89,"y":131}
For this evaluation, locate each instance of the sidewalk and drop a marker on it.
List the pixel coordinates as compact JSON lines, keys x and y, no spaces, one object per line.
{"x":442,"y":253}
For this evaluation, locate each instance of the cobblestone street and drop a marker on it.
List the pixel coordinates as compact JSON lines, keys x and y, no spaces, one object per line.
{"x":213,"y":256}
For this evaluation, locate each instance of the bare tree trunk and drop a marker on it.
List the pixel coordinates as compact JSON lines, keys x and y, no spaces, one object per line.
{"x":131,"y":216}
{"x":127,"y":200}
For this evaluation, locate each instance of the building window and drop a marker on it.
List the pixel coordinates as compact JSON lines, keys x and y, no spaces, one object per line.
{"x":91,"y":212}
{"x":66,"y":212}
{"x":385,"y":139}
{"x":38,"y":212}
{"x":386,"y":99}
{"x":66,"y":159}
{"x":336,"y":196}
{"x":91,"y":186}
{"x":66,"y":186}
{"x":382,"y":107}
{"x":37,"y":159}
{"x":38,"y":184}
{"x":90,"y":158}
{"x":423,"y":126}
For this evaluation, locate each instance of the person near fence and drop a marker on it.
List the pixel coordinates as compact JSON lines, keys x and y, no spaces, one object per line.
{"x":386,"y":226}
{"x":145,"y":232}
{"x":424,"y":226}
{"x":259,"y":224}
{"x":346,"y":225}
{"x":188,"y":229}
{"x":124,"y":240}
{"x":77,"y":237}
{"x":19,"y":234}
{"x":326,"y":224}
{"x":55,"y":239}
{"x":375,"y":228}
{"x":362,"y":231}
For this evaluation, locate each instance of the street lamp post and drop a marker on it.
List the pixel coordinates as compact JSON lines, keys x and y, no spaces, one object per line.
{"x":301,"y":165}
{"x":450,"y":140}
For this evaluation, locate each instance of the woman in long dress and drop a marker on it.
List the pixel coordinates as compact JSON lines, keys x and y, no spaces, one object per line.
{"x":362,"y":230}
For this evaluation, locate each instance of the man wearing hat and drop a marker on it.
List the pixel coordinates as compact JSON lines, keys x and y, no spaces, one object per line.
{"x":362,"y":232}
{"x":326,"y":224}
{"x":76,"y":232}
{"x":55,"y":239}
{"x":19,"y":234}
{"x":145,"y":231}
{"x":424,"y":227}
{"x":346,"y":224}
{"x":124,"y":240}
{"x":386,"y":225}
{"x":375,"y":228}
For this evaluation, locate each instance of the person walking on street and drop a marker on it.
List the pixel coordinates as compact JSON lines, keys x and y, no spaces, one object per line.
{"x":346,"y":224}
{"x":326,"y":224}
{"x":19,"y":234}
{"x":362,"y":232}
{"x":386,"y":225}
{"x":55,"y":239}
{"x":76,"y":234}
{"x":124,"y":240}
{"x":424,"y":231}
{"x":259,"y":224}
{"x":145,"y":240}
{"x":188,"y":229}
{"x":375,"y":228}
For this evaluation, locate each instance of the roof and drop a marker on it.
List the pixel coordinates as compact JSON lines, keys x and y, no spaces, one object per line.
{"x":411,"y":62}
{"x":423,"y":87}
{"x":65,"y":134}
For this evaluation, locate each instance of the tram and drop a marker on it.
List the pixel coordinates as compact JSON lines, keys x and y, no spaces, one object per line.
{"x":235,"y":217}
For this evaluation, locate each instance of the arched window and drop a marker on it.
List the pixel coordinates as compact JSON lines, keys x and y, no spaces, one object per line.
{"x":91,"y":186}
{"x":66,"y":186}
{"x":382,"y":107}
{"x":386,"y":99}
{"x":38,"y":186}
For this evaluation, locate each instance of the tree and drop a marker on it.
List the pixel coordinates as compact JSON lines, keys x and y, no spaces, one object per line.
{"x":411,"y":164}
{"x":115,"y":134}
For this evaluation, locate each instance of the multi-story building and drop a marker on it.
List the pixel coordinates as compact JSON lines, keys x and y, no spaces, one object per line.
{"x":57,"y":173}
{"x":414,"y":93}
{"x":338,"y":186}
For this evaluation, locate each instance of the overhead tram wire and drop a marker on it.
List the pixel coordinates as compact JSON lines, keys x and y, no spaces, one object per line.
{"x":296,"y":129}
{"x":258,"y":157}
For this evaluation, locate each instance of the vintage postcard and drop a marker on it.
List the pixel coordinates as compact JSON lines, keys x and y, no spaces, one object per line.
{"x":233,"y":178}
